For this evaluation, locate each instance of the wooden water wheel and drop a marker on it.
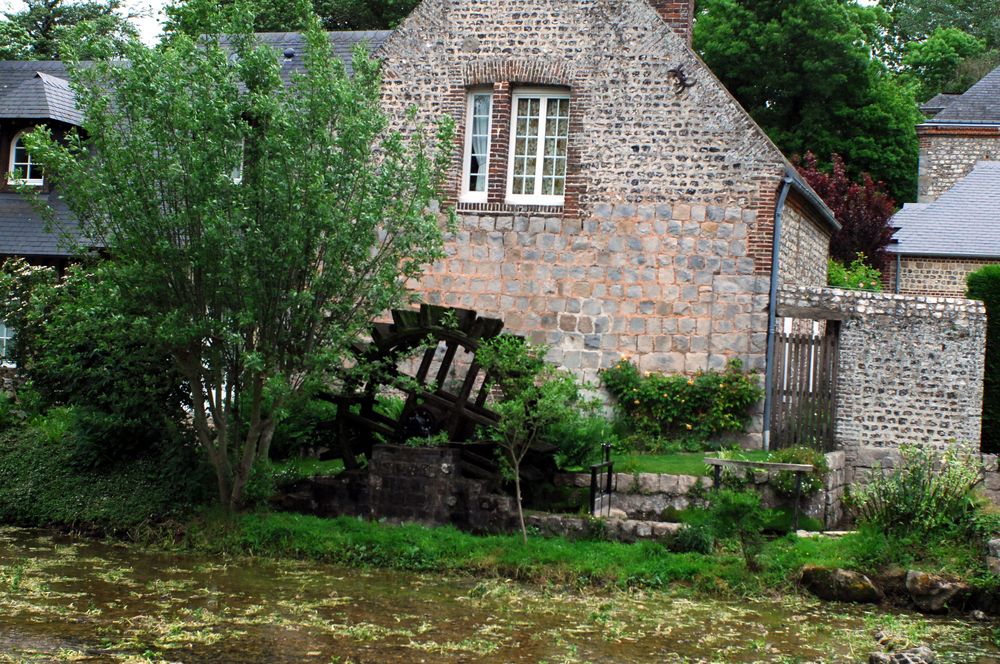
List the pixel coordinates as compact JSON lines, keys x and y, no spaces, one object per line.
{"x":428,"y":358}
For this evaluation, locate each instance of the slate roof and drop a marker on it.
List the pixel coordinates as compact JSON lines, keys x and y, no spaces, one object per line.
{"x":937,"y":103}
{"x":36,"y":90}
{"x":980,"y":104}
{"x":293,"y":45}
{"x":22,"y":231}
{"x":964,"y":221}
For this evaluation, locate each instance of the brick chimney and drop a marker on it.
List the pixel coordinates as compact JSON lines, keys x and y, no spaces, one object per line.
{"x":679,"y":15}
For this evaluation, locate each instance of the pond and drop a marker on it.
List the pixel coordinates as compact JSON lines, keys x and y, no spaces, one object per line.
{"x":79,"y":600}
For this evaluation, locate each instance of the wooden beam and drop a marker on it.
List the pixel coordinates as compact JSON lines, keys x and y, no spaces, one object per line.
{"x":763,"y":465}
{"x":810,"y":313}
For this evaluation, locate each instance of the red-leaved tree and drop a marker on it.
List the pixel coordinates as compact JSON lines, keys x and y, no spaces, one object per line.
{"x":863,"y":210}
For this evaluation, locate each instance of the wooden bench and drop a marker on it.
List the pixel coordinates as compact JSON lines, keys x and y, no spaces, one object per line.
{"x":797,"y":468}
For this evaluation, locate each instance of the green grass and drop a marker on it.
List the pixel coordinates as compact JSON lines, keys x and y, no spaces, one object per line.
{"x":678,"y":463}
{"x":578,"y":563}
{"x":302,"y":468}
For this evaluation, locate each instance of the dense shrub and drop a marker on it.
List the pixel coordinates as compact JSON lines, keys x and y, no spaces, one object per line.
{"x":39,"y":485}
{"x":78,"y":347}
{"x":676,"y":406}
{"x":856,"y":276}
{"x":306,"y":425}
{"x":784,"y":481}
{"x":984,"y":284}
{"x":694,"y":538}
{"x":928,"y":492}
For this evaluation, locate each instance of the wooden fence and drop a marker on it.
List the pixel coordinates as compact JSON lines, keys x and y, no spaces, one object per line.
{"x":803,"y":395}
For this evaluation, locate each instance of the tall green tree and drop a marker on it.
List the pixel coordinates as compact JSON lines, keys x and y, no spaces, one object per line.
{"x":44,"y":28}
{"x":918,"y":19}
{"x":258,"y":227}
{"x":806,"y":73}
{"x":933,"y":64}
{"x":187,"y":16}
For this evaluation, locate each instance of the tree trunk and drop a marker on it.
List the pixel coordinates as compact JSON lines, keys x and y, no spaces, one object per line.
{"x":517,"y":493}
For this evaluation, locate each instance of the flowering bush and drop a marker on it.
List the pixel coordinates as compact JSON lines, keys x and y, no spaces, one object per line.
{"x":698,"y":406}
{"x":856,"y":276}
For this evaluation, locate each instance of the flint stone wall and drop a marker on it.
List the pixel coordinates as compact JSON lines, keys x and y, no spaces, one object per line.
{"x":931,"y":275}
{"x":910,"y":368}
{"x":949,"y":154}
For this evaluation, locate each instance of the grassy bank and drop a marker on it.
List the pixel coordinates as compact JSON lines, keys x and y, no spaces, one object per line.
{"x":558,"y":561}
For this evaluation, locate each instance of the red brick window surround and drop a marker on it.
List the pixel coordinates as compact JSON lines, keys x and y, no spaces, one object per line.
{"x":497,"y":172}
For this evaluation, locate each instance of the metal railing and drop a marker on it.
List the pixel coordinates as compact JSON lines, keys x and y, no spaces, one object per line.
{"x":600,"y":496}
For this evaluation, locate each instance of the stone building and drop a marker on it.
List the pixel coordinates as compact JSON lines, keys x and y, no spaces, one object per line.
{"x":950,"y":230}
{"x":613,"y":198}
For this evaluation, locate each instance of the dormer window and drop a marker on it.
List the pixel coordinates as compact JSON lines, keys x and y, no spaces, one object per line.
{"x":477,"y":147}
{"x":22,"y":169}
{"x":538,"y":151}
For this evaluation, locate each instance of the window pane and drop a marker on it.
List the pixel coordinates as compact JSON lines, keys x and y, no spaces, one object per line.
{"x":479,"y":141}
{"x":532,"y":132}
{"x":556,"y":142}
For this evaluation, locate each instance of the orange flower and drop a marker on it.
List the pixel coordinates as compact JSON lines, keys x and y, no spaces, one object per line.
{"x":690,"y":381}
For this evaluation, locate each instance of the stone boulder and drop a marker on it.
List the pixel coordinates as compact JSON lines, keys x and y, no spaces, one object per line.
{"x":919,"y":655}
{"x":932,"y":592}
{"x":840,"y":585}
{"x":993,"y":556}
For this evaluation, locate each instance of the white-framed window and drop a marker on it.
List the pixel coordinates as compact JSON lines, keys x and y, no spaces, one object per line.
{"x":476,"y":162}
{"x":538,"y":147}
{"x":6,"y":335}
{"x":236,"y":159}
{"x":22,"y":169}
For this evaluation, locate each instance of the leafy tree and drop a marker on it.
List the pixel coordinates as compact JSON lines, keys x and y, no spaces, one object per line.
{"x":536,"y":398}
{"x":77,"y":348}
{"x":863,"y":210}
{"x":257,"y":227}
{"x":932,"y":64}
{"x":45,"y":27}
{"x":804,"y":70}
{"x":188,"y":16}
{"x":919,"y":19}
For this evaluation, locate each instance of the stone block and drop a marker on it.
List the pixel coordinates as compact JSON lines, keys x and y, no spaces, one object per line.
{"x":648,"y":483}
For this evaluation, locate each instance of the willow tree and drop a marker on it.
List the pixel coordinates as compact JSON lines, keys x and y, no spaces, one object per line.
{"x":257,"y":224}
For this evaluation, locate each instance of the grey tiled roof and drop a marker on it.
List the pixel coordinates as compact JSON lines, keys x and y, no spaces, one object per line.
{"x":22,"y":231}
{"x":343,"y":44}
{"x":937,"y":103}
{"x":36,"y":90}
{"x":963,"y":221}
{"x":979,"y":104}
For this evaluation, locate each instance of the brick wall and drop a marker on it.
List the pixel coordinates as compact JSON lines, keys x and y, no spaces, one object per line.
{"x":805,"y":247}
{"x":931,"y":275}
{"x":662,"y":248}
{"x":947,"y":154}
{"x":910,"y":369}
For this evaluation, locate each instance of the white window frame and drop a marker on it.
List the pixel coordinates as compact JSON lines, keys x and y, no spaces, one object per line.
{"x":236,"y":175}
{"x":12,"y":169}
{"x":544,"y":94}
{"x":6,"y":334}
{"x":469,"y":196}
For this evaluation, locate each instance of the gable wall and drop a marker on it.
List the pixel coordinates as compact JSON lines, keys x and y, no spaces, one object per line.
{"x":662,"y":249}
{"x":805,"y":246}
{"x":948,"y":154}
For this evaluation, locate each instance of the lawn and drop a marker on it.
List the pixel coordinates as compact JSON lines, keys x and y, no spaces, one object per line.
{"x":678,"y":463}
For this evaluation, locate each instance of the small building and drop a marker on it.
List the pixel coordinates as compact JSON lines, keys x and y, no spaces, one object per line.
{"x":952,"y":228}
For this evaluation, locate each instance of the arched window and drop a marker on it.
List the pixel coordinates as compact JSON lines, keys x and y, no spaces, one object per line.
{"x":22,"y":170}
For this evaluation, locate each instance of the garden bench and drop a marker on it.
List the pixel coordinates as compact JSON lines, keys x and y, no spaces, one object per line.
{"x":797,"y":468}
